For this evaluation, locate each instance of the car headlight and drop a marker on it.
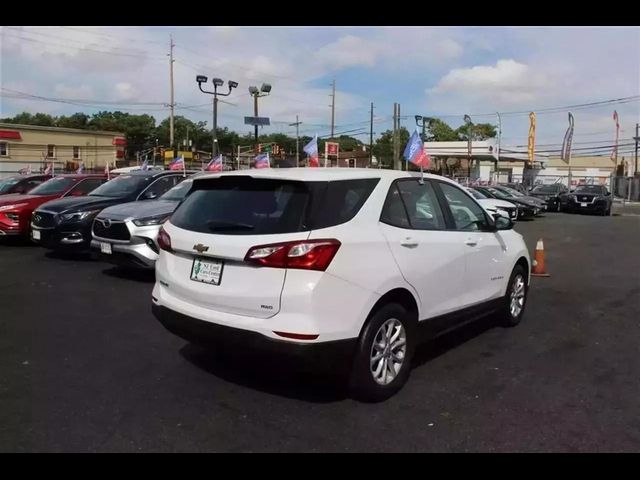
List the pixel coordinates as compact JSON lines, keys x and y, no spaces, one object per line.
{"x":148,"y":221}
{"x":78,"y":215}
{"x":11,"y":207}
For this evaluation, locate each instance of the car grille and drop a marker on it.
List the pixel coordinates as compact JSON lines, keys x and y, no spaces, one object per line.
{"x":44,"y":219}
{"x":105,"y":228}
{"x":584,"y":198}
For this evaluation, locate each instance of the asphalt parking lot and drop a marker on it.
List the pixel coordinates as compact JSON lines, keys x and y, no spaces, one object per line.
{"x":84,"y":366}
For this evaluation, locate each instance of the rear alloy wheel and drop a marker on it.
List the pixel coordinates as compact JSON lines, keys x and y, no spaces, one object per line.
{"x":383,"y":359}
{"x":516,"y":298}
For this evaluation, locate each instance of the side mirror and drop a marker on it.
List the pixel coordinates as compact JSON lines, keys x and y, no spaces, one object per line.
{"x":607,"y":194}
{"x":149,"y":195}
{"x":502,"y":223}
{"x":76,"y":193}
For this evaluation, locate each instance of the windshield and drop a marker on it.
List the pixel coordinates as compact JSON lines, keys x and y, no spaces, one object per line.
{"x":54,"y":186}
{"x":476,"y":194}
{"x":497,"y":193}
{"x":238,"y":205}
{"x":590,"y":189}
{"x":122,"y":186}
{"x":7,"y":183}
{"x":511,"y":192}
{"x":546,"y":189}
{"x":178,"y":192}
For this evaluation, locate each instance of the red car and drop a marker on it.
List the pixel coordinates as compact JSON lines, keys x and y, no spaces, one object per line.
{"x":21,"y":183}
{"x":16,"y":209}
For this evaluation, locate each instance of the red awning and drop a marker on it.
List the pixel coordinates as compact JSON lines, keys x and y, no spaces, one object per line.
{"x":10,"y":135}
{"x":119,"y":141}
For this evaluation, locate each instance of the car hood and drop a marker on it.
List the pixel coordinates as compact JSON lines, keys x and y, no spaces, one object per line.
{"x":31,"y":201}
{"x":80,"y":204}
{"x":140,"y":209}
{"x":494,"y":202}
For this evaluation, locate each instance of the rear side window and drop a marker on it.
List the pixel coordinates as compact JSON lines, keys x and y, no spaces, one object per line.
{"x":343,"y":199}
{"x":238,"y":205}
{"x":412,"y":205}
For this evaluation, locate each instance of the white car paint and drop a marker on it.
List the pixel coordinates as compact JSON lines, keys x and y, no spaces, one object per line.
{"x":443,"y":270}
{"x":492,"y":205}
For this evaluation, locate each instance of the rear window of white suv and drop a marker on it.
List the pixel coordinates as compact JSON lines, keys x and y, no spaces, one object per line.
{"x":243,"y":205}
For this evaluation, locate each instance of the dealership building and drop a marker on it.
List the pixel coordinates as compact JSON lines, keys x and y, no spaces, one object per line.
{"x":22,"y":146}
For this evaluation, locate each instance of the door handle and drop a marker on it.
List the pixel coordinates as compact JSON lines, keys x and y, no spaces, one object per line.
{"x":471,"y":242}
{"x":409,"y":243}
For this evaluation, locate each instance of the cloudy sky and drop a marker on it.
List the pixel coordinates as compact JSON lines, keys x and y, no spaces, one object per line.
{"x":443,"y":72}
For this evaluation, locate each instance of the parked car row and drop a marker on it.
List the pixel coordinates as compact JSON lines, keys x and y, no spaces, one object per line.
{"x":351,"y":267}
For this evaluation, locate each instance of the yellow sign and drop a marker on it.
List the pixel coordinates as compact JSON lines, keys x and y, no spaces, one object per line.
{"x":532,"y":136}
{"x":187,"y":155}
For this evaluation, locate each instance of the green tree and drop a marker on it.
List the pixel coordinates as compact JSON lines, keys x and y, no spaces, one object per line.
{"x":439,"y":131}
{"x":383,"y":147}
{"x":479,"y":131}
{"x":77,"y":120}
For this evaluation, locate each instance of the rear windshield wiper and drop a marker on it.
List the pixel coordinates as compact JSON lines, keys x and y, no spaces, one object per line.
{"x":215,"y":225}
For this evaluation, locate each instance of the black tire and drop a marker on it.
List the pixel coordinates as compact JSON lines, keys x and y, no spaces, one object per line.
{"x":506,"y":317}
{"x":362,"y":385}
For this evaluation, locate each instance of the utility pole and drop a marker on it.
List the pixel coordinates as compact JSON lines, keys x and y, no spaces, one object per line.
{"x":171,"y":105}
{"x":371,"y":138}
{"x":297,"y":125}
{"x":637,"y":139}
{"x":395,"y":135}
{"x":333,"y":108}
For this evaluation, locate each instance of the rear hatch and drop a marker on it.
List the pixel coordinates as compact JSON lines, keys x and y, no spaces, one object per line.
{"x":222,"y":218}
{"x":215,"y":227}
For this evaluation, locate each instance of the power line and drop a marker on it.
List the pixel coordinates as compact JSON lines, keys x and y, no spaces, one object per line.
{"x":66,"y":39}
{"x":112,"y":37}
{"x":82,"y":48}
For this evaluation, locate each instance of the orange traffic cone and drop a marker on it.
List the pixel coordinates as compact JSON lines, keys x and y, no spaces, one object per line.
{"x":539,"y":269}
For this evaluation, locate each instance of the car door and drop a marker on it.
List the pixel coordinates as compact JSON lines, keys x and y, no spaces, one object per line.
{"x":430,"y":257}
{"x":485,"y":249}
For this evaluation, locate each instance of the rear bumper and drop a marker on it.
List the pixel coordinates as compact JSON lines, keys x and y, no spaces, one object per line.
{"x":335,"y":353}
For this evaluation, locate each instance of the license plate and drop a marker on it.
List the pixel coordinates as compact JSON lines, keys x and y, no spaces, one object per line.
{"x":105,"y":248}
{"x":206,"y":271}
{"x":36,"y":234}
{"x":583,"y":204}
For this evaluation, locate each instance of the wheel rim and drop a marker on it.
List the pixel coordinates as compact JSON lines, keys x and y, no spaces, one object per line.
{"x":516,"y":303}
{"x":388,"y":351}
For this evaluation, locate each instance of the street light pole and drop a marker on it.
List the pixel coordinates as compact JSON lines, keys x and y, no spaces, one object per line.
{"x":467,"y":120}
{"x":217,"y":82}
{"x":265,"y":89}
{"x":297,"y":125}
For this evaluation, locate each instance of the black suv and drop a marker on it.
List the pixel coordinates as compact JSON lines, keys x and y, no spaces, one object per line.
{"x":588,"y":198}
{"x":551,"y":194}
{"x":65,"y":224}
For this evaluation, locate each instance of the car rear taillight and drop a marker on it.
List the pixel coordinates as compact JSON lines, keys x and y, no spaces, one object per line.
{"x":164,"y":240}
{"x":302,"y":254}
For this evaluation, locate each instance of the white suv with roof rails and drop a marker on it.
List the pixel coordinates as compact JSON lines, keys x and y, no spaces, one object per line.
{"x":352,"y":265}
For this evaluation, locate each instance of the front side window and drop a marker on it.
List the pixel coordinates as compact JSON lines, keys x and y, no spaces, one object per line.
{"x":161,"y":185}
{"x":467,"y":214}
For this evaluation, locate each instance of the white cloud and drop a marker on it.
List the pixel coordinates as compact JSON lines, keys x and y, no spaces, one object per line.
{"x":348,"y":51}
{"x":125,"y":91}
{"x":69,"y":91}
{"x":508,"y":82}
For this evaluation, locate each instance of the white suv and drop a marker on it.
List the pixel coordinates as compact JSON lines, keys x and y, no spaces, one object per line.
{"x":353,"y":265}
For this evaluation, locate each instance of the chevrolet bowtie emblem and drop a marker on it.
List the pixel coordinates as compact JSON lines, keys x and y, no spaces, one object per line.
{"x":200,"y":248}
